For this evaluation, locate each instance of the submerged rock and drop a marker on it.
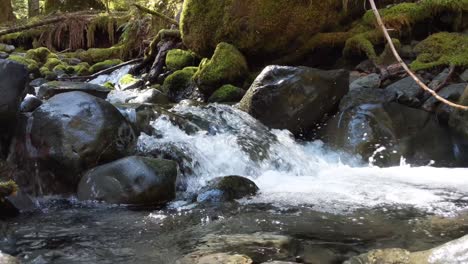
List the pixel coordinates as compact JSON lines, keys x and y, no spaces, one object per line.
{"x":132,"y":180}
{"x":227,"y":188}
{"x":13,"y":81}
{"x":393,"y":129}
{"x":294,"y":98}
{"x":50,"y":89}
{"x":68,"y":134}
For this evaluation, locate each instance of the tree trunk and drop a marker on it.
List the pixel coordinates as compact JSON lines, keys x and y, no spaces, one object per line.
{"x":33,"y":8}
{"x":6,"y":11}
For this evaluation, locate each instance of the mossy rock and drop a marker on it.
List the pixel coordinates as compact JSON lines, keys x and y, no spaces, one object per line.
{"x":129,"y":81}
{"x":259,"y":28}
{"x":442,"y":49}
{"x":95,"y":55}
{"x":40,"y":54}
{"x":104,"y":65}
{"x":47,"y":74}
{"x":32,"y":65}
{"x":227,"y":66}
{"x":178,"y":59}
{"x":7,"y":188}
{"x":82,"y":69}
{"x":227,"y":93}
{"x":176,"y":83}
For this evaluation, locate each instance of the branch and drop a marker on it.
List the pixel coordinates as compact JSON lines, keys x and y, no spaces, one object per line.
{"x":34,"y":25}
{"x":108,"y":70}
{"x":403,"y":64}
{"x":158,"y":14}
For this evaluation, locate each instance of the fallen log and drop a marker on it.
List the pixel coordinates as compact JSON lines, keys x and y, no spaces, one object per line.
{"x":34,"y":25}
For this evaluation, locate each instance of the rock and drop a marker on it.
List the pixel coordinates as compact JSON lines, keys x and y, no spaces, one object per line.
{"x":367,"y":66}
{"x":7,"y":48}
{"x":37,"y":82}
{"x":227,"y":93}
{"x":407,"y":91}
{"x":104,"y":65}
{"x":150,"y":96}
{"x":178,"y":59}
{"x":464,"y":76}
{"x":439,"y":79}
{"x":217,"y":259}
{"x":132,"y":180}
{"x":272,"y":245}
{"x":30,"y":103}
{"x":128,"y":82}
{"x":7,"y":259}
{"x":13,"y":80}
{"x":227,"y":66}
{"x":4,"y":55}
{"x":179,"y":85}
{"x":294,"y":98}
{"x":371,"y":81}
{"x":69,"y":133}
{"x":50,"y":89}
{"x":452,"y":93}
{"x":262,"y":30}
{"x":454,"y":252}
{"x":361,"y":96}
{"x":400,"y":130}
{"x":227,"y":188}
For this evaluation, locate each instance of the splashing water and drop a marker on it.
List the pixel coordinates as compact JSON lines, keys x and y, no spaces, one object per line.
{"x":230,"y":142}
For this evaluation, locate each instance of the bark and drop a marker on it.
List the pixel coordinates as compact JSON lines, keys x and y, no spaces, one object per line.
{"x":33,"y":8}
{"x":6,"y":11}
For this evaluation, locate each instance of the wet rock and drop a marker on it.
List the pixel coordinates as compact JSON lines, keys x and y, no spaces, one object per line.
{"x":439,"y":79}
{"x":367,"y":66}
{"x":150,"y":96}
{"x":178,"y":59}
{"x":227,"y":188}
{"x":452,"y":93}
{"x":407,"y":91}
{"x":30,"y":103}
{"x":3,"y":55}
{"x":454,"y":252}
{"x":359,"y":96}
{"x":464,"y":76}
{"x":15,"y":204}
{"x":66,"y":135}
{"x":216,"y":259}
{"x":7,"y":259}
{"x":398,"y":131}
{"x":13,"y":81}
{"x":179,"y":85}
{"x":128,"y":82}
{"x":37,"y":82}
{"x":132,"y":180}
{"x":7,"y":48}
{"x":371,"y":81}
{"x":273,"y":246}
{"x":47,"y":90}
{"x":294,"y":98}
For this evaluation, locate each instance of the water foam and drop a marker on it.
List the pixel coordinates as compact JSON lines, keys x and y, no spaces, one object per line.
{"x":293,"y":173}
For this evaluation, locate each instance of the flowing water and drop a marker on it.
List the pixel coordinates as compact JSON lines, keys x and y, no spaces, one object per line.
{"x":330,"y":205}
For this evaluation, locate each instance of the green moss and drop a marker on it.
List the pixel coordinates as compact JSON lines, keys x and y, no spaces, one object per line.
{"x":52,"y":63}
{"x":7,"y":188}
{"x":227,"y":93}
{"x":82,"y":69}
{"x":40,"y":55}
{"x":178,"y":59}
{"x":179,"y":80}
{"x":93,"y":56}
{"x":127,"y":79}
{"x":32,"y":65}
{"x":47,"y":73}
{"x":226,"y":66}
{"x":109,"y":85}
{"x":442,"y":49}
{"x":104,"y":65}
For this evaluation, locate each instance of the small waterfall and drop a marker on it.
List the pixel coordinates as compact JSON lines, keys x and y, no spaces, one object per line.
{"x":230,"y":142}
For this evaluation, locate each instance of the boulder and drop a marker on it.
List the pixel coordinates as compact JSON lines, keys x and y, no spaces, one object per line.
{"x":383,"y":133}
{"x":371,"y":81}
{"x":178,"y":59}
{"x":227,"y":66}
{"x":294,"y":98}
{"x":179,"y":85}
{"x":69,"y":133}
{"x":13,"y":81}
{"x":227,"y":93}
{"x":47,"y":90}
{"x":30,"y":103}
{"x":132,"y":180}
{"x":227,"y":188}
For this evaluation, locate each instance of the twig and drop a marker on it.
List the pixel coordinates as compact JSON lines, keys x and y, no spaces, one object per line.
{"x":403,"y":64}
{"x":155,"y":13}
{"x":111,"y":69}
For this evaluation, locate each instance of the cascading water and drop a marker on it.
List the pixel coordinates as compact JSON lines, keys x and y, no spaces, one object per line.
{"x":230,"y":142}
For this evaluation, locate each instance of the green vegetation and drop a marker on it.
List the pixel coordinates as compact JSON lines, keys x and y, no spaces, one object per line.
{"x":179,"y":80}
{"x":178,"y":59}
{"x":7,"y":188}
{"x":227,"y":93}
{"x":227,"y":66}
{"x":104,"y":65}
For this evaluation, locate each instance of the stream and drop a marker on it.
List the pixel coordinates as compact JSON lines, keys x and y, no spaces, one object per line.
{"x":328,"y":205}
